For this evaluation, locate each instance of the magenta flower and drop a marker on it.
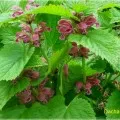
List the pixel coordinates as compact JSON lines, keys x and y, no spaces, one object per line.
{"x":79,"y":86}
{"x":45,"y":94}
{"x":26,"y":27}
{"x":41,"y":28}
{"x":65,"y":28}
{"x":82,"y":27}
{"x":93,"y":81}
{"x":33,"y":75}
{"x":74,"y":50}
{"x":90,"y":20}
{"x":86,"y":23}
{"x":17,"y":11}
{"x":25,"y":96}
{"x":88,"y":88}
{"x":22,"y":36}
{"x":35,"y":37}
{"x":84,"y":51}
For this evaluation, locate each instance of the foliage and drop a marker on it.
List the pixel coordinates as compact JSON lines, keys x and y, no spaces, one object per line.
{"x":59,"y":59}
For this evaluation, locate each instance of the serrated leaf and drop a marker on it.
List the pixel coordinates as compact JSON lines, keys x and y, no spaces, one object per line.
{"x":56,"y":57}
{"x":48,"y":9}
{"x":13,"y":58}
{"x":102,"y":43}
{"x":75,"y":110}
{"x":36,"y":61}
{"x":8,"y":34}
{"x":54,"y":10}
{"x":112,"y":109}
{"x":53,"y":36}
{"x":8,"y":90}
{"x":78,"y":108}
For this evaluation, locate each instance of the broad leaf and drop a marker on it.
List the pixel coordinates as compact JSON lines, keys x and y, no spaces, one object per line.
{"x":13,"y":58}
{"x":57,"y":56}
{"x":112,"y":109}
{"x":78,"y":108}
{"x":102,"y":43}
{"x":8,"y":89}
{"x":36,"y":61}
{"x":8,"y":34}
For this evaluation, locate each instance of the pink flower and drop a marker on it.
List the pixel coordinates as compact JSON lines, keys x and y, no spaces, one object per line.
{"x":90,"y":20}
{"x":25,"y":96}
{"x":17,"y":11}
{"x":94,"y":81}
{"x":84,"y":51}
{"x":45,"y":94}
{"x":28,"y":7}
{"x":33,"y":75}
{"x":79,"y":86}
{"x":36,"y":43}
{"x":82,"y":27}
{"x":65,"y":28}
{"x":88,"y":88}
{"x":74,"y":50}
{"x":26,"y":27}
{"x":22,"y":36}
{"x":41,"y":28}
{"x":35,"y":37}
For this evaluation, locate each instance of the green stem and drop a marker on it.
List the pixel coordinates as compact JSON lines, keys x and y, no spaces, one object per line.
{"x":84,"y":69}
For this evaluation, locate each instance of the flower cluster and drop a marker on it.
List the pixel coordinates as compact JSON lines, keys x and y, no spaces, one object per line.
{"x":44,"y":93}
{"x":28,"y":35}
{"x":31,"y":94}
{"x":25,"y":96}
{"x":19,"y":11}
{"x":86,"y":23}
{"x":90,"y":82}
{"x":65,"y":27}
{"x":78,"y":51}
{"x":32,"y":74}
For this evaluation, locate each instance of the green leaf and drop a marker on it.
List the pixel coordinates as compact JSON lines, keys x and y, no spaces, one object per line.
{"x":78,"y":108}
{"x":36,"y":111}
{"x":75,"y":110}
{"x":48,"y":9}
{"x":102,"y":43}
{"x":8,"y":34}
{"x":35,"y":61}
{"x":112,"y":109}
{"x":13,"y":58}
{"x":12,"y":112}
{"x":54,"y":10}
{"x":57,"y":56}
{"x":8,"y":90}
{"x":53,"y":36}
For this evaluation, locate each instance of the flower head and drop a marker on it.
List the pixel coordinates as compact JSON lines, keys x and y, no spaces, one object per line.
{"x":65,"y":28}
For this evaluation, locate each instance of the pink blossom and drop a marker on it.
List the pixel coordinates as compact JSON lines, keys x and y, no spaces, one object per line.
{"x":35,"y":37}
{"x":84,"y":51}
{"x":79,"y":86}
{"x":65,"y":28}
{"x":22,"y":36}
{"x":45,"y":94}
{"x":25,"y":27}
